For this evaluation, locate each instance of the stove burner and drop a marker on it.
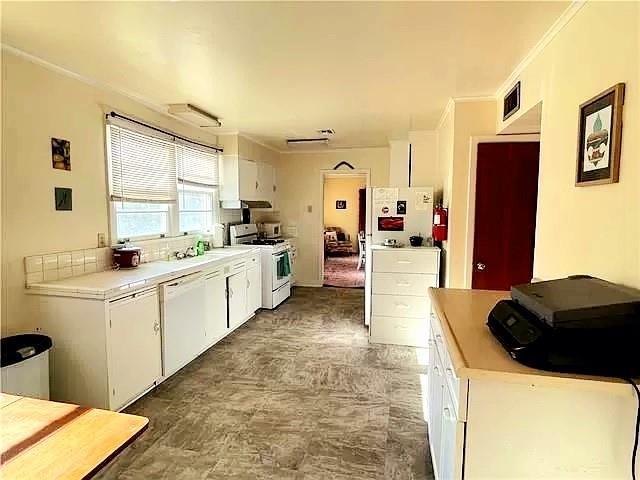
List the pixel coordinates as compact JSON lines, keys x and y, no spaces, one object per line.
{"x":267,"y":241}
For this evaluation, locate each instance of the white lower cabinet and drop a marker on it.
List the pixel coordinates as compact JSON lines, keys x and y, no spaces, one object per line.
{"x":215,"y":326}
{"x":400,"y":304}
{"x":237,"y":285}
{"x":134,"y":346}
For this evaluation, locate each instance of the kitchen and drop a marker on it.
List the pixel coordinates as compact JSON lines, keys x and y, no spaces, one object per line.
{"x":241,"y":365}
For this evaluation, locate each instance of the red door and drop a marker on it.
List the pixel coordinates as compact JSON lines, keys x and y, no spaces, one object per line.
{"x":505,"y":217}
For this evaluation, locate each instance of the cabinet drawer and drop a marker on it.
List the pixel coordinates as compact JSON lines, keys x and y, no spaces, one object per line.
{"x":438,"y":343}
{"x":402,"y":283}
{"x":413,"y":332}
{"x":407,"y":261}
{"x":238,"y":266}
{"x":401,"y":306}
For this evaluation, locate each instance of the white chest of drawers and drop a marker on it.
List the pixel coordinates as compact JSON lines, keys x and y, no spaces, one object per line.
{"x":400,"y":304}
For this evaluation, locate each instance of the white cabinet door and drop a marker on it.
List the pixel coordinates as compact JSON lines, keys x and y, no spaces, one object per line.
{"x":237,"y":285}
{"x":215,"y":326}
{"x":248,"y":180}
{"x":254,"y":289}
{"x":446,"y":468}
{"x":134,"y":346}
{"x":265,"y":182}
{"x":434,"y":405}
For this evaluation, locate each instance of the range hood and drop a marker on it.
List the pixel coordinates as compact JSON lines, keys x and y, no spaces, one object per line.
{"x":245,"y":204}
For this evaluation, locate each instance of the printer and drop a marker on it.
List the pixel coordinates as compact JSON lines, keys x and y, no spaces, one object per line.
{"x":578,"y":324}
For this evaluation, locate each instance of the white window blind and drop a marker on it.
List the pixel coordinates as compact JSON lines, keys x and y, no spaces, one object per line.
{"x":197,"y":166}
{"x":142,"y":167}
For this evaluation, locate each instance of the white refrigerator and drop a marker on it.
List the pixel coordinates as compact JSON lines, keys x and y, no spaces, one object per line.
{"x":396,"y":213}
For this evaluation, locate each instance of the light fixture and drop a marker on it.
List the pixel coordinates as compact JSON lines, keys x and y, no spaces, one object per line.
{"x":307,"y":141}
{"x":194,"y":115}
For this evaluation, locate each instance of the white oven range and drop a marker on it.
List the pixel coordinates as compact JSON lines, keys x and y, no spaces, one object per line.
{"x":275,"y":254}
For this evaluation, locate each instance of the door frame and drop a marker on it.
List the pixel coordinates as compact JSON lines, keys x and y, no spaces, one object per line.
{"x":327,"y":173}
{"x":471,"y":189}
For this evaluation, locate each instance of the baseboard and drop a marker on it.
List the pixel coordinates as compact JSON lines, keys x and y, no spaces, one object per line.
{"x":311,"y":285}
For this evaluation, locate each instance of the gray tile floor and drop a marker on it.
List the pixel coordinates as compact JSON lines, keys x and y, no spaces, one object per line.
{"x":296,"y":393}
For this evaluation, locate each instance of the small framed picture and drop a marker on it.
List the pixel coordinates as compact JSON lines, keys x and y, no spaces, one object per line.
{"x":61,"y":153}
{"x":341,"y":204}
{"x":599,"y":138}
{"x":401,"y":207}
{"x":63,"y":199}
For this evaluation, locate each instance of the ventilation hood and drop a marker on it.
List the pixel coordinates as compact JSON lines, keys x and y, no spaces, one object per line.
{"x":245,"y":204}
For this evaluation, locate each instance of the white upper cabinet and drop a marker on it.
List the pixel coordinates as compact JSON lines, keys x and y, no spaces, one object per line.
{"x":246,"y":180}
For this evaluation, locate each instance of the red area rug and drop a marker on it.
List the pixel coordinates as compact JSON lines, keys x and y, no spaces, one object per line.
{"x":342,"y":272}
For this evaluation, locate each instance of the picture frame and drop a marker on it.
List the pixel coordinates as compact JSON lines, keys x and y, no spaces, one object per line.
{"x":341,"y":204}
{"x":600,"y":138}
{"x":60,"y":154}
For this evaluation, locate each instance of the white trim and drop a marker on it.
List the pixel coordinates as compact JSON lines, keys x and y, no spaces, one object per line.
{"x":326,"y":173}
{"x":471,"y":196}
{"x":447,"y":110}
{"x":549,"y":35}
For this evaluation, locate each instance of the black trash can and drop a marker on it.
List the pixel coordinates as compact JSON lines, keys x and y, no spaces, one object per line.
{"x":24,"y":362}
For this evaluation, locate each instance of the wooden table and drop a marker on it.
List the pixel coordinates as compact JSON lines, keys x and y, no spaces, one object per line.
{"x":49,"y":440}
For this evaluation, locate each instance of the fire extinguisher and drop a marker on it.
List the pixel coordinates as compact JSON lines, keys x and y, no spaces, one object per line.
{"x":439,"y":223}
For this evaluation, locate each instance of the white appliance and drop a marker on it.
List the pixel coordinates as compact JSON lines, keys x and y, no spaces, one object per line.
{"x":276,"y":286}
{"x":394,"y":213}
{"x":271,"y":229}
{"x":183,"y":321}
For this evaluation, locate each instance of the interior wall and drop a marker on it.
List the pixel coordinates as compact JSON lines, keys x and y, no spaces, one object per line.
{"x":466,"y":119}
{"x":592,"y":230}
{"x":300,"y":198}
{"x":344,"y":187}
{"x":424,"y":160}
{"x":39,"y":103}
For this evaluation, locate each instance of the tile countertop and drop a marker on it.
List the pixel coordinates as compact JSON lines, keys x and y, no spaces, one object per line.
{"x":111,"y":283}
{"x":476,"y":354}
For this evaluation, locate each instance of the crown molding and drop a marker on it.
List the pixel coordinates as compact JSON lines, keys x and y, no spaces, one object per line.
{"x":259,"y":142}
{"x":447,"y":110}
{"x":549,"y":35}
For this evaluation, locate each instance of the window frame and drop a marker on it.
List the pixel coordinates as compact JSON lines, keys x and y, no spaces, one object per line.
{"x":173,"y":214}
{"x":214,"y":192}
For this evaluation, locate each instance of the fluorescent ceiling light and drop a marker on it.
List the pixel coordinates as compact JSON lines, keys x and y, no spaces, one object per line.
{"x":194,"y":115}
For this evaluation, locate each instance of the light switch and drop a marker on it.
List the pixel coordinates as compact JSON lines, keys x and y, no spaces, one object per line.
{"x":102,"y":240}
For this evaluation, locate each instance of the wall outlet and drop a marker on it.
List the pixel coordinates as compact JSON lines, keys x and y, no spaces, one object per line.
{"x":102,"y":240}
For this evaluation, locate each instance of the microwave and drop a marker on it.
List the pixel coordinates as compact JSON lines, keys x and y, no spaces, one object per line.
{"x":272,"y":230}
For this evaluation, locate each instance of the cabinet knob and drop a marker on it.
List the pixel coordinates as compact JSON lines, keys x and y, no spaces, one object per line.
{"x":156,"y":327}
{"x":480,"y":266}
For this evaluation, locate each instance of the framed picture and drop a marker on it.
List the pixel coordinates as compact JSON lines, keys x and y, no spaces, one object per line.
{"x":401,"y":207}
{"x":599,"y":138}
{"x":341,"y":204}
{"x":61,"y":153}
{"x":63,"y":198}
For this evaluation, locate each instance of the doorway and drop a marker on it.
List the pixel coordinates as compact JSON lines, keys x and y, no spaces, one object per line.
{"x":506,"y":194}
{"x":343,"y":229}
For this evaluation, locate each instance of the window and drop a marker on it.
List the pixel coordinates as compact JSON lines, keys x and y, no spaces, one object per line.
{"x":159,"y":185}
{"x":196,"y":209}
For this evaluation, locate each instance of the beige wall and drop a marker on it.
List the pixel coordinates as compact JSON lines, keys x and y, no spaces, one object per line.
{"x":38,"y":104}
{"x":464,"y":120}
{"x":300,"y":190}
{"x":343,"y":188}
{"x":424,"y":159}
{"x":593,"y":230}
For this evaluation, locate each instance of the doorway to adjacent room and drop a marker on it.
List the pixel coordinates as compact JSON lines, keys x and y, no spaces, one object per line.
{"x":344,"y":216}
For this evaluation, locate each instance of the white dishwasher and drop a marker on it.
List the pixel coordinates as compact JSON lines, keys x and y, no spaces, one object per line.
{"x":183,"y":321}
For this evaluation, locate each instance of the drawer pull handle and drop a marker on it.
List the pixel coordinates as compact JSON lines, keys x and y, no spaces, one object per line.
{"x":404,"y":262}
{"x":436,"y":370}
{"x":403,"y":284}
{"x":403,"y":306}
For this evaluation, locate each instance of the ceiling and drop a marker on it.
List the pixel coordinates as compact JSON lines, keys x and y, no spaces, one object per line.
{"x":272,"y":70}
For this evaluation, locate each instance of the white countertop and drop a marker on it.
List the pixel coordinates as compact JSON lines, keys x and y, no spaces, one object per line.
{"x":111,"y":283}
{"x":377,"y":246}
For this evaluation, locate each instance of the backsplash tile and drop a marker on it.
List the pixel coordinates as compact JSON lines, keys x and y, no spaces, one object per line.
{"x":62,"y":265}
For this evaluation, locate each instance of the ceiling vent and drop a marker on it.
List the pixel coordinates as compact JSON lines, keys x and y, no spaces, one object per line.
{"x":326,"y":131}
{"x":194,"y":115}
{"x":299,"y":142}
